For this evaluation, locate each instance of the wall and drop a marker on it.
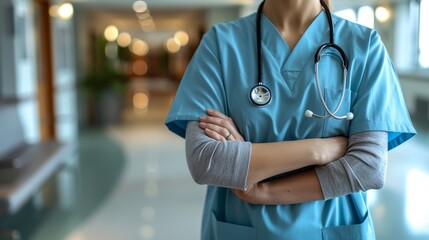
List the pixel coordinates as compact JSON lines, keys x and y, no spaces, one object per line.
{"x":65,"y":79}
{"x":415,"y":88}
{"x":414,"y":81}
{"x":221,"y":14}
{"x":7,"y":56}
{"x":18,"y":79}
{"x":19,"y":69}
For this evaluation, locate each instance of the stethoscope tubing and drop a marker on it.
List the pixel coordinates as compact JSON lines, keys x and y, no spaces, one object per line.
{"x":262,"y":100}
{"x":322,"y":100}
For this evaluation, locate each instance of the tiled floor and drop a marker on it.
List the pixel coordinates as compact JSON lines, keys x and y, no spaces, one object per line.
{"x":135,"y":185}
{"x":155,"y":198}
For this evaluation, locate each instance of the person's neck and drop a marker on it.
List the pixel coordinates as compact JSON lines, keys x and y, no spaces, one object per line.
{"x":292,"y":17}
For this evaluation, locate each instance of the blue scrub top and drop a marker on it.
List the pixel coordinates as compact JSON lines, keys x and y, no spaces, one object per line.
{"x":220,"y":76}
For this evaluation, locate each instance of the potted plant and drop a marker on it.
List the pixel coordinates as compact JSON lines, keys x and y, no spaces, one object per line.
{"x":104,"y":86}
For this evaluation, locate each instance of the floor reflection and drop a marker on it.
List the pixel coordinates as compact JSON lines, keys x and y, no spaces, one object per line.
{"x":416,"y":202}
{"x":400,"y":210}
{"x":154,"y":197}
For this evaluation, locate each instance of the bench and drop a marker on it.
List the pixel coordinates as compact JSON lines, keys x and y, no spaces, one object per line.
{"x":24,"y":167}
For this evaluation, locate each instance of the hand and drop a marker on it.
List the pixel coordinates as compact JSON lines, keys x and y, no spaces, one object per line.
{"x":253,"y":194}
{"x":219,"y":126}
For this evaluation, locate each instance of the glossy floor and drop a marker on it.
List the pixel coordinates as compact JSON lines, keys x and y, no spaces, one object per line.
{"x":134,"y":184}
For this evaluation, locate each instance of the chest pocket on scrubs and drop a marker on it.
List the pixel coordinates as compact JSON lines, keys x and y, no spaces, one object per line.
{"x":331,"y":126}
{"x":362,"y":231}
{"x":225,"y":230}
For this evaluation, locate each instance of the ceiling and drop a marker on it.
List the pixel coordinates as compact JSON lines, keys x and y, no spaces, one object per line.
{"x":171,"y":15}
{"x":162,"y":4}
{"x":181,"y":4}
{"x":178,"y":11}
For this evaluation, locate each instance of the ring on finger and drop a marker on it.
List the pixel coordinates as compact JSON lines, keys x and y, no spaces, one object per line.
{"x":227,"y":137}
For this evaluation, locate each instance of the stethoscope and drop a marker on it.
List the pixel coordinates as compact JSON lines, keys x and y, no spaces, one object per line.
{"x":260,"y":95}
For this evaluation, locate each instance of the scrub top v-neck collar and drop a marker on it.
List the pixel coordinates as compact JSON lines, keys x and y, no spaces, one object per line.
{"x":316,"y":34}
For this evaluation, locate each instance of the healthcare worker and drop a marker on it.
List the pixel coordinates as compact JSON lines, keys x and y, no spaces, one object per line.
{"x":303,"y":107}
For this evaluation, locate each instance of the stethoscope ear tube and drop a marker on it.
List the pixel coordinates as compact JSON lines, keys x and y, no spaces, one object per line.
{"x":319,"y":53}
{"x":345,"y":63}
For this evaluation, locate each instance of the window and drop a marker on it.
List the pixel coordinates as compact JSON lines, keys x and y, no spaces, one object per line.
{"x":349,"y":14}
{"x":424,"y":34}
{"x":363,"y":15}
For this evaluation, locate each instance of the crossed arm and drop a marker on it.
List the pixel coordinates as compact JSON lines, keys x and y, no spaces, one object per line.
{"x":335,"y":172}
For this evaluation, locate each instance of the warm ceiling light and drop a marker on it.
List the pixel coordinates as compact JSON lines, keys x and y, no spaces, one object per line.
{"x":140,"y":100}
{"x":124,"y":39}
{"x":146,"y":22}
{"x":65,"y":11}
{"x":140,"y":67}
{"x":143,"y":15}
{"x":139,"y":6}
{"x":53,"y":11}
{"x":382,"y":14}
{"x":181,"y":37}
{"x":148,"y":28}
{"x":172,"y":46}
{"x":139,"y":47}
{"x":111,"y":33}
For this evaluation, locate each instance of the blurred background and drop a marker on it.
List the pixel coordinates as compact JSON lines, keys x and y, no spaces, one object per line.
{"x":85,"y":86}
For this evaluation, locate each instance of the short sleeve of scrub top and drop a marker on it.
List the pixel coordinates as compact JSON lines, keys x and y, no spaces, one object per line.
{"x":201,"y":87}
{"x":379,"y":104}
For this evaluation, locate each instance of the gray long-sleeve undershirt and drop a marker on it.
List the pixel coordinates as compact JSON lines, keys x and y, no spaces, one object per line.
{"x":226,"y":164}
{"x":362,"y":168}
{"x":214,"y":162}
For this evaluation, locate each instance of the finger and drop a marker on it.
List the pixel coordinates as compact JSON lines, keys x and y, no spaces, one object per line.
{"x":219,"y":130}
{"x":216,"y":124}
{"x":229,"y":123}
{"x":215,"y":120}
{"x":231,"y":138}
{"x":239,"y":193}
{"x":236,"y":191}
{"x":214,"y":113}
{"x":214,"y":135}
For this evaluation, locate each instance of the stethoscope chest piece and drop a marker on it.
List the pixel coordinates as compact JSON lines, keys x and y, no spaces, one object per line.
{"x":260,"y":95}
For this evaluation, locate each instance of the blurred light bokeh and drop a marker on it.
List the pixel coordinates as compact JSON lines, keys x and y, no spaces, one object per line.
{"x":98,"y":76}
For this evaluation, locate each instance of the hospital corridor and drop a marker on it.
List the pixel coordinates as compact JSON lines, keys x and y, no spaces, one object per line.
{"x":86,"y":88}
